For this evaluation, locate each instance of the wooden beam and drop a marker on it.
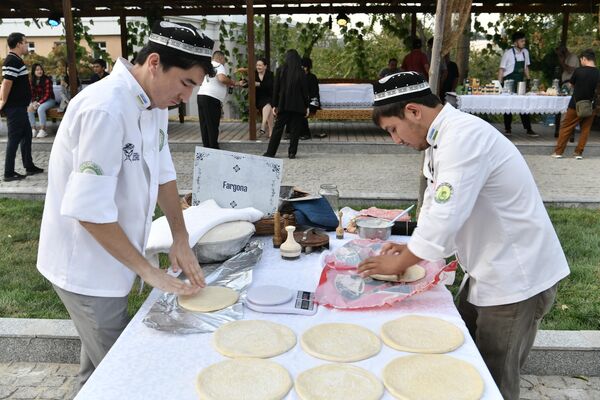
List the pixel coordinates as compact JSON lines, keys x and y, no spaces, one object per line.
{"x":268,"y":38}
{"x":251,"y":70}
{"x":70,"y":39}
{"x":123,"y":23}
{"x":413,"y":25}
{"x":565,"y":29}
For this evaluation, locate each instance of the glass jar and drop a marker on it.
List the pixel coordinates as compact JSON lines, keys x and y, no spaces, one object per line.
{"x":330,"y":193}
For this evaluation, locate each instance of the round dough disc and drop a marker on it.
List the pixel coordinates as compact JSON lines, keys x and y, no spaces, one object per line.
{"x":413,"y":273}
{"x":244,"y":378}
{"x":210,"y":298}
{"x":418,"y":334}
{"x":432,"y":377}
{"x":253,"y":338}
{"x":340,"y":342}
{"x":338,"y":382}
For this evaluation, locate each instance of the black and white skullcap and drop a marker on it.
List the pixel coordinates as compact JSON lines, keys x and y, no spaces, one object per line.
{"x":401,"y":86}
{"x":182,"y":37}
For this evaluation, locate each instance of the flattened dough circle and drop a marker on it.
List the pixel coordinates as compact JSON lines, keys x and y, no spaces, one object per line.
{"x":338,"y":382}
{"x":412,"y":274}
{"x":244,"y":378}
{"x":253,"y":338}
{"x":432,"y":377}
{"x":210,"y":298}
{"x":340,"y":342}
{"x":419,"y":334}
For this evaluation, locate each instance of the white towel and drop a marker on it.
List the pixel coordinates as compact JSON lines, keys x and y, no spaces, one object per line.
{"x":198,"y":220}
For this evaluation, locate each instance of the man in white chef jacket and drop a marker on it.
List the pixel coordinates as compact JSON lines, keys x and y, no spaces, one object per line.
{"x":482,"y":205}
{"x":109,"y":165}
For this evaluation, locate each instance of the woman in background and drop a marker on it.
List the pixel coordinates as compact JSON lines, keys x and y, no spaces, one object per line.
{"x":264,"y":95}
{"x":42,"y":98}
{"x":290,"y":103}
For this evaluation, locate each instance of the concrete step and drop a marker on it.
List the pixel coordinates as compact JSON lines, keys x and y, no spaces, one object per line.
{"x":566,"y":353}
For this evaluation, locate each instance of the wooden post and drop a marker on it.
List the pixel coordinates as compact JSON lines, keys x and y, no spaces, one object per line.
{"x":123,"y":22}
{"x":565,"y":28}
{"x":251,"y":70}
{"x":70,"y":38}
{"x":268,"y":38}
{"x":413,"y":26}
{"x":434,"y":75}
{"x":462,"y":54}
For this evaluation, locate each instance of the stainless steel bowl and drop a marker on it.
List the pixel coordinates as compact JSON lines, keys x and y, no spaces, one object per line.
{"x":223,"y":241}
{"x":374,"y":228}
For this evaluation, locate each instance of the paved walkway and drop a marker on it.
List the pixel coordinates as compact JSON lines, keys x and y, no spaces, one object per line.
{"x":56,"y":381}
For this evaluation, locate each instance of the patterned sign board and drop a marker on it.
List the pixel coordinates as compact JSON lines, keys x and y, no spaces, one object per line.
{"x":237,"y":180}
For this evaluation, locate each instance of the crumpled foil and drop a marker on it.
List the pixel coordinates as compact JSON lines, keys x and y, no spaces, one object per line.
{"x":235,"y":273}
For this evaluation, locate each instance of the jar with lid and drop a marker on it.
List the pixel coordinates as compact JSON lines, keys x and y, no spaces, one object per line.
{"x":330,"y":193}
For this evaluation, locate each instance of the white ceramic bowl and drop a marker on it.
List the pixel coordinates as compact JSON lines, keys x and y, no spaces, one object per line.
{"x":224,"y":241}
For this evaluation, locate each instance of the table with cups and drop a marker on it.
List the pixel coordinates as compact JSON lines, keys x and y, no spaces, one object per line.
{"x":148,"y":364}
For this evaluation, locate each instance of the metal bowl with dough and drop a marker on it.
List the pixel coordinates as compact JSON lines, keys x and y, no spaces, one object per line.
{"x":374,"y":228}
{"x":223,"y":241}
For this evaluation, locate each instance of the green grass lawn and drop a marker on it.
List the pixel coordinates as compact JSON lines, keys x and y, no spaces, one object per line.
{"x":24,"y":293}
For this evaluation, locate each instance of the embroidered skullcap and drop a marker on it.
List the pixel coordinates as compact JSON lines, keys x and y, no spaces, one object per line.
{"x":402,"y":86}
{"x":182,"y":37}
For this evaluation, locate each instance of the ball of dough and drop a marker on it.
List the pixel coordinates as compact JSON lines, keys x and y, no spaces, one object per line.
{"x":340,"y":342}
{"x":419,"y":334}
{"x":210,"y":298}
{"x":432,"y":377}
{"x":244,"y":379}
{"x":338,"y":382}
{"x":253,"y":338}
{"x":412,"y":274}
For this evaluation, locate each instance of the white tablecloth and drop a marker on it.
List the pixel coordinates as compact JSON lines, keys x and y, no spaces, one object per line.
{"x":346,"y":95}
{"x":146,"y":364}
{"x":507,"y":104}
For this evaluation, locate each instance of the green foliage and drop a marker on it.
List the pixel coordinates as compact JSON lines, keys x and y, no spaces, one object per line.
{"x":137,"y":32}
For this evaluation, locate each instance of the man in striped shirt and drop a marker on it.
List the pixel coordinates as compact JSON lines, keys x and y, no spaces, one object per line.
{"x":15,"y":96}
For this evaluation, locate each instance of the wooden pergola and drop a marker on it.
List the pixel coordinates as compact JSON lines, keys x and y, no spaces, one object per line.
{"x":140,"y":8}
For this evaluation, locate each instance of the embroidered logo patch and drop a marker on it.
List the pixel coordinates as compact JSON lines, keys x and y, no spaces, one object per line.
{"x":443,"y":193}
{"x":161,"y":139}
{"x":90,"y":167}
{"x":129,"y":154}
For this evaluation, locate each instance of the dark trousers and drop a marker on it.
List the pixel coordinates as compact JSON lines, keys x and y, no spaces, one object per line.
{"x":525,"y":119}
{"x":504,"y":334}
{"x":19,"y":133}
{"x":305,"y":132}
{"x":294,"y":121}
{"x":209,"y":112}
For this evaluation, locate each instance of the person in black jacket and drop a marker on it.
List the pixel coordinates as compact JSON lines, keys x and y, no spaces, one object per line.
{"x":264,"y":95}
{"x":290,"y":103}
{"x":313,"y":93}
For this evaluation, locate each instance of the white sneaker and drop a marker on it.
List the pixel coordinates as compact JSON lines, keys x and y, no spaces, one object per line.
{"x":42,"y":133}
{"x":33,"y":132}
{"x":554,"y":155}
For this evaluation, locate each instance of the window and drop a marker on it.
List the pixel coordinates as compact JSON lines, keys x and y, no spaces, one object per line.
{"x":31,"y":47}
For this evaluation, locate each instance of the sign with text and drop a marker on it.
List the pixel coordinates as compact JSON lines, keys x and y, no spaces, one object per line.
{"x":236,"y":180}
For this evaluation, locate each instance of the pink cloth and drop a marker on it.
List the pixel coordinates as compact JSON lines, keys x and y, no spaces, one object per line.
{"x":384,"y":214}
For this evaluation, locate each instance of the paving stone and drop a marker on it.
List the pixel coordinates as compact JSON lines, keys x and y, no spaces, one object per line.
{"x":553,"y":393}
{"x":54,"y":393}
{"x":531,"y":394}
{"x":529,"y":381}
{"x":20,"y":368}
{"x":67,"y":370}
{"x":31,"y":379}
{"x":578,"y":383}
{"x":6,"y":391}
{"x":7,"y":379}
{"x":54,"y":381}
{"x":26,"y":393}
{"x":47,"y":368}
{"x":552,"y":381}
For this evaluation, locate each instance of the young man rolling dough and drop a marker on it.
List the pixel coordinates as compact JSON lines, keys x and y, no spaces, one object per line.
{"x":482,"y":205}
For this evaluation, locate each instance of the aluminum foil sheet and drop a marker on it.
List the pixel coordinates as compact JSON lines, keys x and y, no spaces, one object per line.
{"x":235,"y":273}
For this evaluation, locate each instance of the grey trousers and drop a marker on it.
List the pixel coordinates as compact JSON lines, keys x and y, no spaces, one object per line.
{"x":504,"y":335}
{"x":99,"y":322}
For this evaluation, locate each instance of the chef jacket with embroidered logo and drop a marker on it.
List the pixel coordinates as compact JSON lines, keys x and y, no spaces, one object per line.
{"x":482,"y":204}
{"x":108,"y":159}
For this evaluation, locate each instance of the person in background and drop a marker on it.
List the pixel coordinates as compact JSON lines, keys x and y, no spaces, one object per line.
{"x":264,"y":96}
{"x":42,"y":99}
{"x":392,"y":68}
{"x":211,"y":96}
{"x":290,"y":103}
{"x":483,"y":206}
{"x":568,"y":63}
{"x":443,"y":71}
{"x":99,"y":67}
{"x":416,"y":60}
{"x":15,"y":96}
{"x":515,"y":65}
{"x":313,"y":93}
{"x":451,"y":81}
{"x":585,"y":81}
{"x":65,"y":92}
{"x":109,"y":167}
